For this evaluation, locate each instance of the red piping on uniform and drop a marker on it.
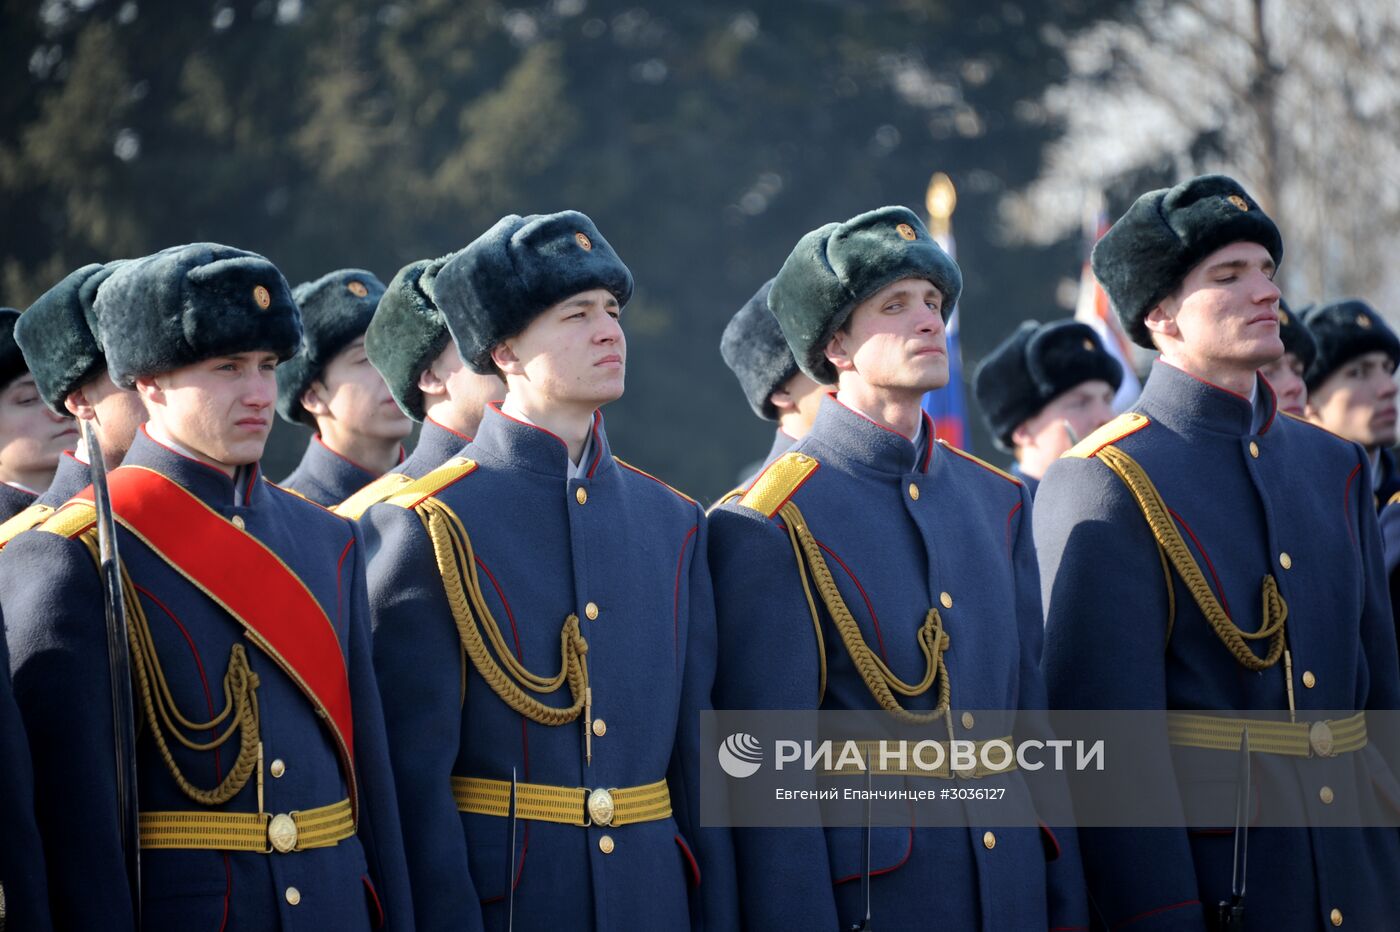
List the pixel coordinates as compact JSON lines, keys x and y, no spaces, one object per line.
{"x":597,"y":445}
{"x":1346,"y":502}
{"x":339,"y":564}
{"x":832,"y":396}
{"x":252,"y":482}
{"x":991,"y":469}
{"x":524,"y":735}
{"x":1224,"y":603}
{"x":455,"y":433}
{"x":870,"y":608}
{"x":676,"y":615}
{"x":884,"y":870}
{"x":228,"y":891}
{"x":199,"y":664}
{"x":1010,"y":516}
{"x":665,"y":485}
{"x":496,"y":406}
{"x":1154,"y":912}
{"x":209,"y":702}
{"x":378,"y":907}
{"x":164,"y":446}
{"x":340,"y":456}
{"x":1218,"y":388}
{"x":1045,"y":830}
{"x":689,"y":858}
{"x":1273,"y":408}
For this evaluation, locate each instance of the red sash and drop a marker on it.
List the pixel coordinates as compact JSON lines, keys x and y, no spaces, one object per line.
{"x":249,"y":581}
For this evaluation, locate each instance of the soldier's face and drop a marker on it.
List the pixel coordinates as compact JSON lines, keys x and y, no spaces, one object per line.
{"x":797,"y":402}
{"x":1067,"y":419}
{"x":32,"y":437}
{"x":467,"y":392}
{"x":1358,"y":401}
{"x":1226,"y":311}
{"x":895,"y":339}
{"x":352,"y":393}
{"x":1285,"y":376}
{"x":574,"y":354}
{"x":115,"y":413}
{"x":220,"y":408}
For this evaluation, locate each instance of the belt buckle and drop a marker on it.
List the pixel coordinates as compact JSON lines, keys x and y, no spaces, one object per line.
{"x":601,"y":808}
{"x":1320,"y":739}
{"x":282,"y":833}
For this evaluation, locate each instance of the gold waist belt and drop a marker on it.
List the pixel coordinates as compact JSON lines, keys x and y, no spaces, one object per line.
{"x":870,"y":751}
{"x":262,"y":832}
{"x":567,"y":805}
{"x":1292,"y":739}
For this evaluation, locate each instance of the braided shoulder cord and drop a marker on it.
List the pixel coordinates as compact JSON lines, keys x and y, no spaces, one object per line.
{"x":879,"y":679}
{"x":240,"y":702}
{"x":1154,"y":509}
{"x":456,"y":562}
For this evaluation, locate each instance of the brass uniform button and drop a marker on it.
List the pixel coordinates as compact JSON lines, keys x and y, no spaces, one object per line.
{"x":1308,"y":679}
{"x":238,"y":522}
{"x":913,"y":491}
{"x":945,"y":599}
{"x":600,"y":727}
{"x":591,"y":610}
{"x":278,"y":767}
{"x":606,"y":845}
{"x":1253,"y":449}
{"x":967,"y":719}
{"x":581,"y":494}
{"x":1336,"y":917}
{"x":1285,"y":561}
{"x":293,"y":895}
{"x":989,"y":841}
{"x":1325,"y":794}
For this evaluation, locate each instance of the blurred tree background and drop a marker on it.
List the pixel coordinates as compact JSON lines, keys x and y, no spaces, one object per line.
{"x":703,"y":138}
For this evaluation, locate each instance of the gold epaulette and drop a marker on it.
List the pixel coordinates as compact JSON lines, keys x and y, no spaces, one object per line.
{"x":776,"y":484}
{"x":26,"y":520}
{"x":643,"y":472}
{"x":980,"y":462}
{"x":1393,"y":499}
{"x":377,"y":491}
{"x":412,"y":495}
{"x":71,"y":520}
{"x":1115,"y":430}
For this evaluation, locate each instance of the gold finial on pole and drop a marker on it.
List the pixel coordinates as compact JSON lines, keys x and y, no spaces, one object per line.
{"x":941,"y":200}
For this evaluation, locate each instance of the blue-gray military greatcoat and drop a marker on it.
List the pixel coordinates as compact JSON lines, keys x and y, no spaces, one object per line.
{"x":907,"y":530}
{"x":615,"y":560}
{"x":1263,"y":501}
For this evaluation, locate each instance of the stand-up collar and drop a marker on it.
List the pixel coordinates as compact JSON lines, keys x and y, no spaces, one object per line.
{"x":321,"y":460}
{"x":518,"y":445}
{"x":71,"y":477}
{"x":1186,"y":404}
{"x":857,"y":440}
{"x":439,"y":443}
{"x":782,"y":442}
{"x":208,"y":483}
